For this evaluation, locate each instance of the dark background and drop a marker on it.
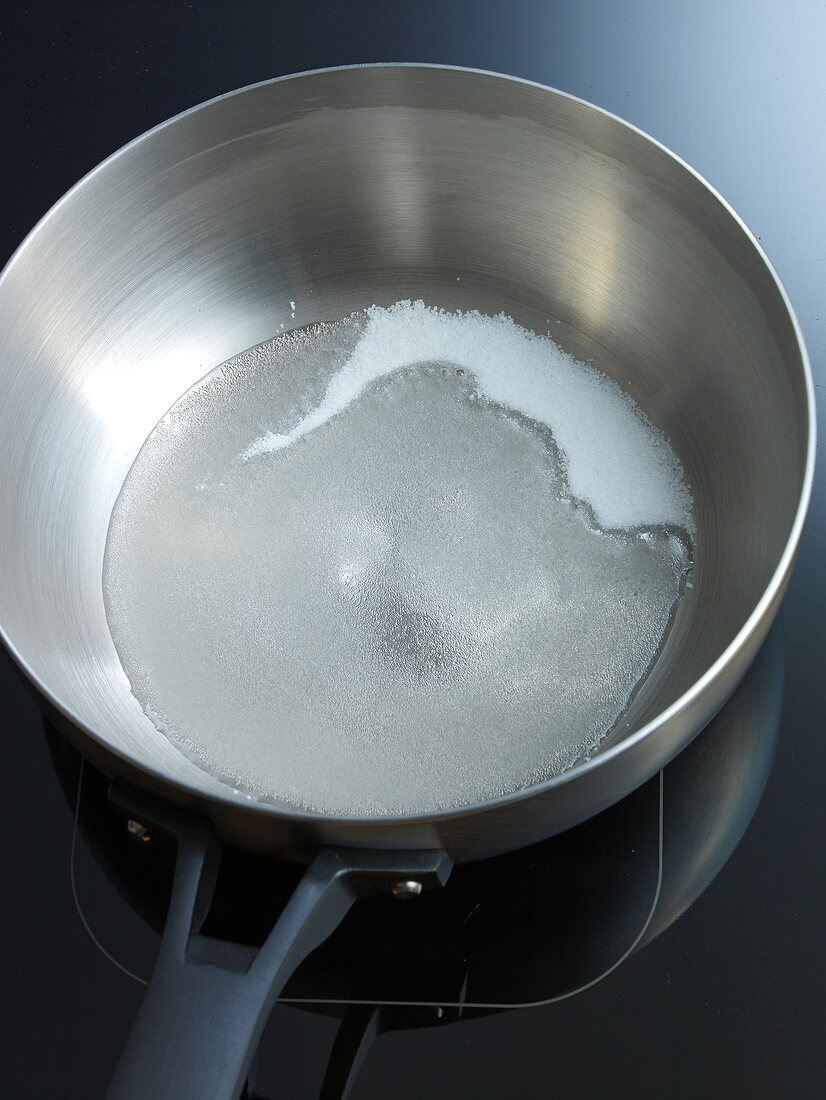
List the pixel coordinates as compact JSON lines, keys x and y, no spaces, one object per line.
{"x":728,"y":1002}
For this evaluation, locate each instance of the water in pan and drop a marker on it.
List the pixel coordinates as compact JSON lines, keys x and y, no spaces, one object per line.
{"x":408,"y":561}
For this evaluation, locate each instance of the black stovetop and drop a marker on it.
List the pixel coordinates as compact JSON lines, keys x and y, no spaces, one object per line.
{"x":724,"y":1002}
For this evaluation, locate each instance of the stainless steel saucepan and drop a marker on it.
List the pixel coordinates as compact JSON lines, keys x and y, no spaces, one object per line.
{"x":343,"y":188}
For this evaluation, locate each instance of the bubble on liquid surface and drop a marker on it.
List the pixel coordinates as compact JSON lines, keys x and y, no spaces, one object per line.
{"x":373,"y":567}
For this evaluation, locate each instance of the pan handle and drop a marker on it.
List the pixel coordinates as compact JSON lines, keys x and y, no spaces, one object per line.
{"x":203,"y":1013}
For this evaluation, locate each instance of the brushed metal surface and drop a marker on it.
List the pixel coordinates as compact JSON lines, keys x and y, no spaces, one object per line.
{"x":341,"y":188}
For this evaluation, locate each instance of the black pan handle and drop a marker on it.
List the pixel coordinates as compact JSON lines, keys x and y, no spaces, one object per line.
{"x":203,"y":1013}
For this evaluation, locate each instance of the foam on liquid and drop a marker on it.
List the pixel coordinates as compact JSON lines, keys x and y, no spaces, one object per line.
{"x":408,"y":561}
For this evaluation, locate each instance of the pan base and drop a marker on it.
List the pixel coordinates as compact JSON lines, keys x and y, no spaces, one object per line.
{"x":402,"y":609}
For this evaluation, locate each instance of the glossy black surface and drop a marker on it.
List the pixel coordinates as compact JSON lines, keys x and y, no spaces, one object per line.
{"x":534,"y":925}
{"x":727,"y":1001}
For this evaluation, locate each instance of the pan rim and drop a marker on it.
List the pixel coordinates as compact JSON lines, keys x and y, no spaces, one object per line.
{"x":761,"y":614}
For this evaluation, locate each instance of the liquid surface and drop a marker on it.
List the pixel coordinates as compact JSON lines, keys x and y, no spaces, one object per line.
{"x":406,"y":562}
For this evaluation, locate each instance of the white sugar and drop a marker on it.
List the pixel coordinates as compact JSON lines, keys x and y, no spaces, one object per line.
{"x":616,"y":460}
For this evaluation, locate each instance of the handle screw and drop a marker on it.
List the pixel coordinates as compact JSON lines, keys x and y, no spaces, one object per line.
{"x":140,"y":832}
{"x":408,"y":888}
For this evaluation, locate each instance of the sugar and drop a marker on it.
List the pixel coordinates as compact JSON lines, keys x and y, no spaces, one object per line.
{"x":413,"y":590}
{"x":630,"y":478}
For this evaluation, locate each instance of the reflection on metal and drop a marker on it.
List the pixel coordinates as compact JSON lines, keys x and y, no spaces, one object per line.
{"x":407,"y":889}
{"x":128,"y":392}
{"x":676,"y":835}
{"x":140,"y":832}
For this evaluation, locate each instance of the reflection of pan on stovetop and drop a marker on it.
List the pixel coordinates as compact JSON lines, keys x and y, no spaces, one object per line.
{"x":529,"y":927}
{"x":356,"y":186}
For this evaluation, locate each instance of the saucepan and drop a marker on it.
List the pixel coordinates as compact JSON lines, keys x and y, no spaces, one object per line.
{"x":340,"y":189}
